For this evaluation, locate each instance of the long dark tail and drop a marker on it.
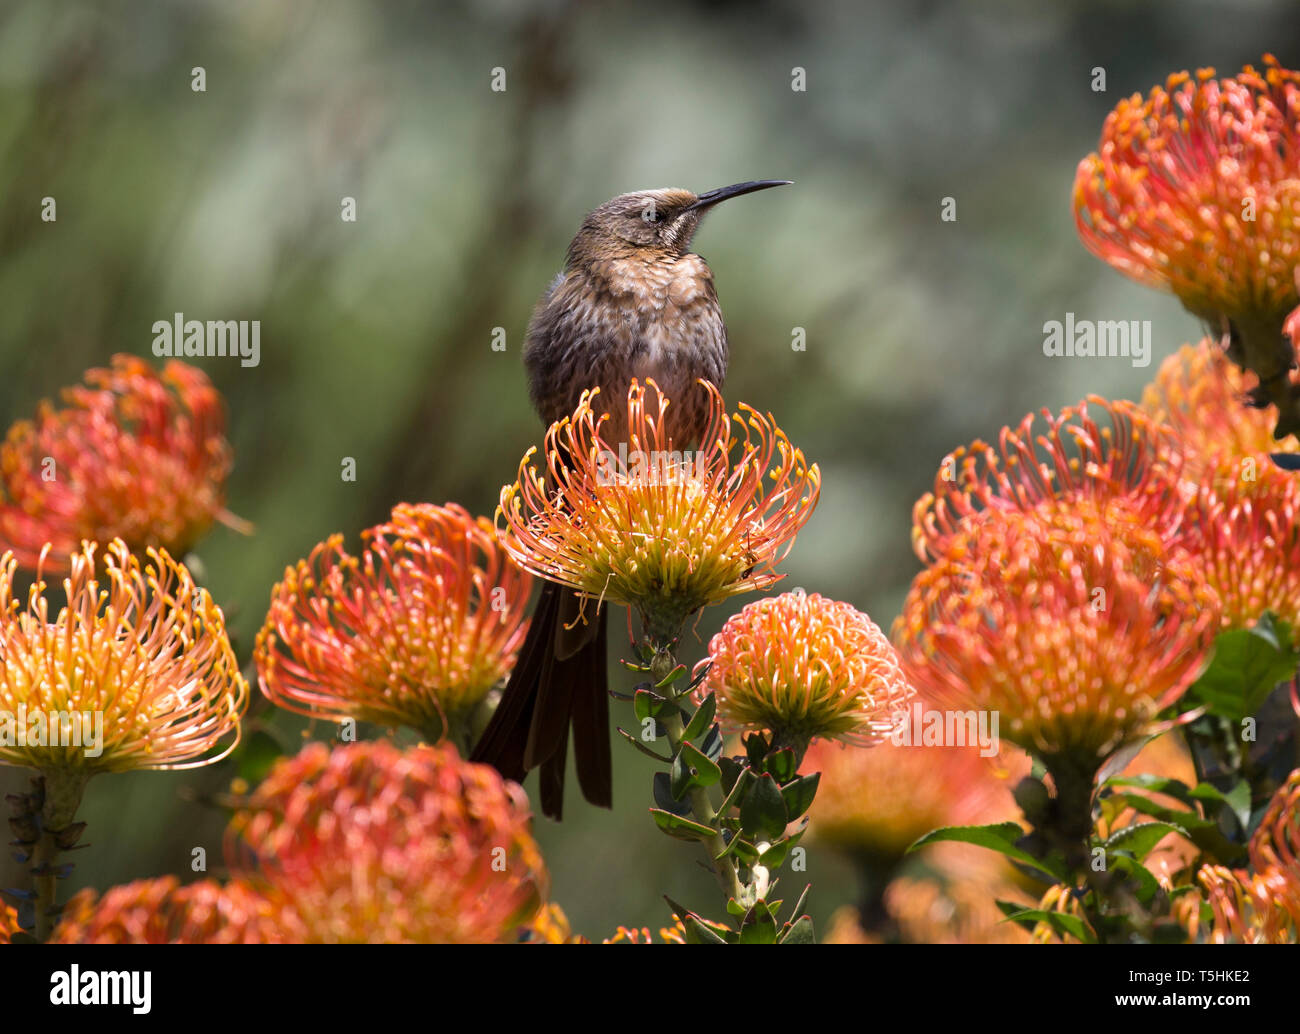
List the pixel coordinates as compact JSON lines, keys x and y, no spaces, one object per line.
{"x":561,"y":678}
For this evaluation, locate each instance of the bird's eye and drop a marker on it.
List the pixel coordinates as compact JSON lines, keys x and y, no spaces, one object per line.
{"x":650,"y":213}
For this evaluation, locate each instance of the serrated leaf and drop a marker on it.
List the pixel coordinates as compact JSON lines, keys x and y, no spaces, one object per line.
{"x":1141,"y":838}
{"x":1204,"y":833}
{"x":763,"y":813}
{"x":1000,"y":837}
{"x":702,"y":719}
{"x":679,"y":827}
{"x":798,"y":794}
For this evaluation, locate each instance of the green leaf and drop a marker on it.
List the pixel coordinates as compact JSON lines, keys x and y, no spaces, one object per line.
{"x":776,"y":852}
{"x":706,"y":770}
{"x":1204,"y":833}
{"x":1156,"y":784}
{"x":663,"y":795}
{"x":648,"y":704}
{"x":803,"y":900}
{"x":763,"y":814}
{"x":755,"y":749}
{"x":799,"y":932}
{"x":798,"y":795}
{"x":680,"y":827}
{"x":642,"y":747}
{"x":1147,"y":884}
{"x":671,"y":677}
{"x":1247,"y":665}
{"x":782,"y":765}
{"x":712,"y":743}
{"x":702,"y":719}
{"x":1061,"y":922}
{"x":699,"y":933}
{"x":758,"y":926}
{"x":1237,"y":799}
{"x":736,"y":794}
{"x":1000,"y":837}
{"x":1141,"y":838}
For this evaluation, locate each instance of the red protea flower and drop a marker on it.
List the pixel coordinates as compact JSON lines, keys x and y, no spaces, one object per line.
{"x":1075,"y":629}
{"x":1262,"y":905}
{"x":370,"y":843}
{"x":654,"y":528}
{"x":135,"y":455}
{"x":1197,"y":189}
{"x":161,"y":911}
{"x":1128,"y":471}
{"x":805,"y":667}
{"x":1201,"y":395}
{"x":415,"y":631}
{"x":138,"y":661}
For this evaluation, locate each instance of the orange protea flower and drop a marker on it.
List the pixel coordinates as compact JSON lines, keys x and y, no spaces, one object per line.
{"x":161,"y":911}
{"x":876,"y":803}
{"x":370,"y":843}
{"x":1127,"y":471}
{"x":550,"y":926}
{"x":1202,"y":396}
{"x":1246,"y":539}
{"x":415,"y":631}
{"x":135,"y":455}
{"x":654,"y":528}
{"x":1197,"y":189}
{"x":1075,"y":630}
{"x":805,"y":667}
{"x":137,"y":662}
{"x":1262,"y":905}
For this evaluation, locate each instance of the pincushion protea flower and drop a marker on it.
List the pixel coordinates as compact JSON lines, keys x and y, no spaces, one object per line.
{"x":1201,"y":395}
{"x":805,"y":667}
{"x":1262,"y":905}
{"x":1245,"y":538}
{"x":1197,"y":189}
{"x":161,"y":911}
{"x":370,"y":843}
{"x":654,"y":528}
{"x":139,"y":648}
{"x":1077,"y":631}
{"x":1128,"y":470}
{"x":135,"y":454}
{"x":415,"y":631}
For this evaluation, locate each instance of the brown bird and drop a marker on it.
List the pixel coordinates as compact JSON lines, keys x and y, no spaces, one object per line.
{"x":632,"y":302}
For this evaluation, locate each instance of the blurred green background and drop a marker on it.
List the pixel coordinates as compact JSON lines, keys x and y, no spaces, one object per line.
{"x":376,"y":335}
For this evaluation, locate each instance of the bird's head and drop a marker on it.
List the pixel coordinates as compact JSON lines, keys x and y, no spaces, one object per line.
{"x":663,"y":220}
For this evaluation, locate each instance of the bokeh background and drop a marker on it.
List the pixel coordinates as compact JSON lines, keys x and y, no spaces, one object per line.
{"x":376,"y":335}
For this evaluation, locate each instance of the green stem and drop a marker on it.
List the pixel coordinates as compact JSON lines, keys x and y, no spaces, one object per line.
{"x":62,"y":792}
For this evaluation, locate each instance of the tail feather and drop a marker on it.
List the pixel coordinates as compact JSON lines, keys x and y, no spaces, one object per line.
{"x":547,"y":692}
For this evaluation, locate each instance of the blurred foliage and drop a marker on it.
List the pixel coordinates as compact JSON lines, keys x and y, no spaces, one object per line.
{"x":376,"y":335}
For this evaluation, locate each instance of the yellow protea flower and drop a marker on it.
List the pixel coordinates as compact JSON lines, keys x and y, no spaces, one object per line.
{"x":645,"y":524}
{"x":135,"y":672}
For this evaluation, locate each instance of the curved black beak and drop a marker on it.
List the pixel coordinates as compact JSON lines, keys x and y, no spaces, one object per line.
{"x":712,"y":197}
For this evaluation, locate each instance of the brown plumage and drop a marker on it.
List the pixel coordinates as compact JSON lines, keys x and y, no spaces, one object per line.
{"x":631,"y":302}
